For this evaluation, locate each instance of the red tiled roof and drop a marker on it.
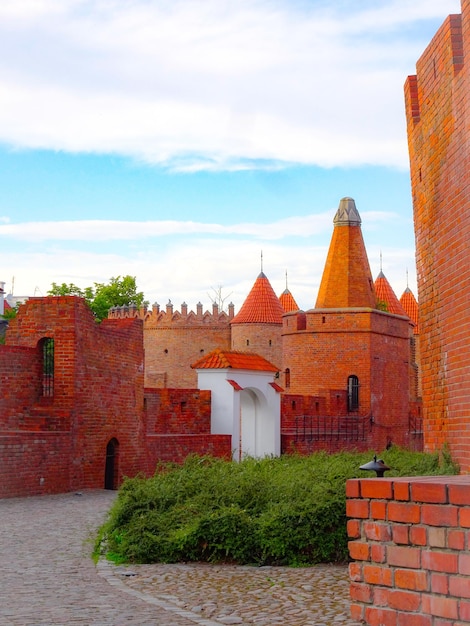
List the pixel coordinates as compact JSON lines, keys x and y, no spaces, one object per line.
{"x":386,"y":295}
{"x":288,"y":302}
{"x":221,"y":359}
{"x":261,"y":306}
{"x":409,"y":303}
{"x":6,"y":306}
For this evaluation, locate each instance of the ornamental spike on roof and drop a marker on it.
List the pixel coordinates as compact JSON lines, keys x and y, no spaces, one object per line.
{"x":261,"y":306}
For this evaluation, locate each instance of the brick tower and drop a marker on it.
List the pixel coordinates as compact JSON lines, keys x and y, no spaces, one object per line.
{"x":346,"y":350}
{"x":438,"y":117}
{"x":257,"y":326}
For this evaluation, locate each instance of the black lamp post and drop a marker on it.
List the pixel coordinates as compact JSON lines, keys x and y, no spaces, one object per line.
{"x":377,"y":466}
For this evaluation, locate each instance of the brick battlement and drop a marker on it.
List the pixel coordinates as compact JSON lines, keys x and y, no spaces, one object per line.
{"x":169,"y":317}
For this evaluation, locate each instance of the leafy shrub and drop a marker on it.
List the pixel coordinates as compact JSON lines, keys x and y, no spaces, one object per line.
{"x":289,"y":510}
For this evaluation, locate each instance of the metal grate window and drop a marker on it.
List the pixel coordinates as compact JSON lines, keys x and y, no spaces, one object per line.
{"x":48,"y":367}
{"x":353,"y":393}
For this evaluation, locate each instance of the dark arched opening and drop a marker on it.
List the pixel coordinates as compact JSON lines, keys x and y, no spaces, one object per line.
{"x":353,"y":393}
{"x":111,"y":467}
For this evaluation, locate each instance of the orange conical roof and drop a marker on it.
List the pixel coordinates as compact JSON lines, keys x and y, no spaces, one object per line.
{"x":347,"y":279}
{"x":386,"y":298}
{"x":410,"y":304}
{"x":261,"y":306}
{"x":288,"y":302}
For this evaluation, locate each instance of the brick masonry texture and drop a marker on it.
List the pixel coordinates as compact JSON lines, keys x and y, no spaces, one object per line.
{"x":437,"y":110}
{"x":421,"y":573}
{"x":59,"y":443}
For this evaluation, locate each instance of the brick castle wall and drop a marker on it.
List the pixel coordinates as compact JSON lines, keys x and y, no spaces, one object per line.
{"x":262,"y":339}
{"x":59,"y":442}
{"x":437,"y":110}
{"x":323,"y":347}
{"x":410,"y":542}
{"x":174,"y":340}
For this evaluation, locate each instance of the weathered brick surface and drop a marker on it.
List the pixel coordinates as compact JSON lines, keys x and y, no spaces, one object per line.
{"x":424,"y":576}
{"x":437,"y":109}
{"x":369,"y":344}
{"x":59,"y":443}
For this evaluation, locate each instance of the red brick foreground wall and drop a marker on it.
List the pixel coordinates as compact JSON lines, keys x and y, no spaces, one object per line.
{"x":410,"y":541}
{"x":438,"y":110}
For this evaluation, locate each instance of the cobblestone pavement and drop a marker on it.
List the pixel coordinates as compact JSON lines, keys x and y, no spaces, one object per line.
{"x":48,"y":578}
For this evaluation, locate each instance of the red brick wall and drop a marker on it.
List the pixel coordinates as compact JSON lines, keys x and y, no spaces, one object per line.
{"x":54,"y":444}
{"x":178,"y":411}
{"x":98,"y":388}
{"x":178,"y":424}
{"x":262,"y":339}
{"x":337,"y":343}
{"x":34,"y":463}
{"x":20,"y":384}
{"x":437,"y":109}
{"x":410,"y":541}
{"x":170,"y":352}
{"x":175,"y":448}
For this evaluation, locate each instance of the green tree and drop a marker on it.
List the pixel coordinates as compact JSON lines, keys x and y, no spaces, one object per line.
{"x":118,"y":292}
{"x":9,"y":314}
{"x":101,"y":297}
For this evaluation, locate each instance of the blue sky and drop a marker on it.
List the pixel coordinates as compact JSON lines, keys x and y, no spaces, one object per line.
{"x":175,"y":141}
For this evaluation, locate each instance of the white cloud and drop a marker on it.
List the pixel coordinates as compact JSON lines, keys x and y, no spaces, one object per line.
{"x":115,"y":230}
{"x":211,"y":85}
{"x":191,"y":258}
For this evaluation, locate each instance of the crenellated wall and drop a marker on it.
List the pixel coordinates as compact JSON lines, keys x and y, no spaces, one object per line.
{"x":410,"y":545}
{"x":175,"y":339}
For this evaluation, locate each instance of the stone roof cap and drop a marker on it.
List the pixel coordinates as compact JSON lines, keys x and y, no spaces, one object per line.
{"x":347,"y":214}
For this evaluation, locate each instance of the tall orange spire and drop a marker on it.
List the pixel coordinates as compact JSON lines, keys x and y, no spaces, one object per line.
{"x":347,"y":279}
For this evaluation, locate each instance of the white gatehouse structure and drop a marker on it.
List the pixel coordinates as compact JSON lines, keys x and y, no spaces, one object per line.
{"x":245,"y":401}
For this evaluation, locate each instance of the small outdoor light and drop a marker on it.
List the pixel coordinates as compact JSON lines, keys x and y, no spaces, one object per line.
{"x":377,"y":466}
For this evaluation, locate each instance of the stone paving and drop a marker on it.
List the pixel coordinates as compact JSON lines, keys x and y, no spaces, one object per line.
{"x":48,"y":578}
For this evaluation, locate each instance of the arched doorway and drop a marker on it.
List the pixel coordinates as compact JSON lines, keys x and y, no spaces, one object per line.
{"x":111,"y":467}
{"x":257,"y":426}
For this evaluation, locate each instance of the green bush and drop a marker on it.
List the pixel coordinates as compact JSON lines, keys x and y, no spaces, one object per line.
{"x":289,"y":510}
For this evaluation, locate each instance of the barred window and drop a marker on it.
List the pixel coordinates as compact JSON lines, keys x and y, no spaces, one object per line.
{"x":47,"y":347}
{"x":353,"y":393}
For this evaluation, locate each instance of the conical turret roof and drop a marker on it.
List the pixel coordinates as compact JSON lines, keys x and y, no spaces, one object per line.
{"x":410,"y":304}
{"x":347,"y":279}
{"x":288,"y":302}
{"x":386,"y":298}
{"x":261,"y":306}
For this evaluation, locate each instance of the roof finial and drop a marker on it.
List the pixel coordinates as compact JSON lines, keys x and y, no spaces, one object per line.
{"x":286,"y":280}
{"x":407,"y":285}
{"x":261,"y":261}
{"x":381,"y":260}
